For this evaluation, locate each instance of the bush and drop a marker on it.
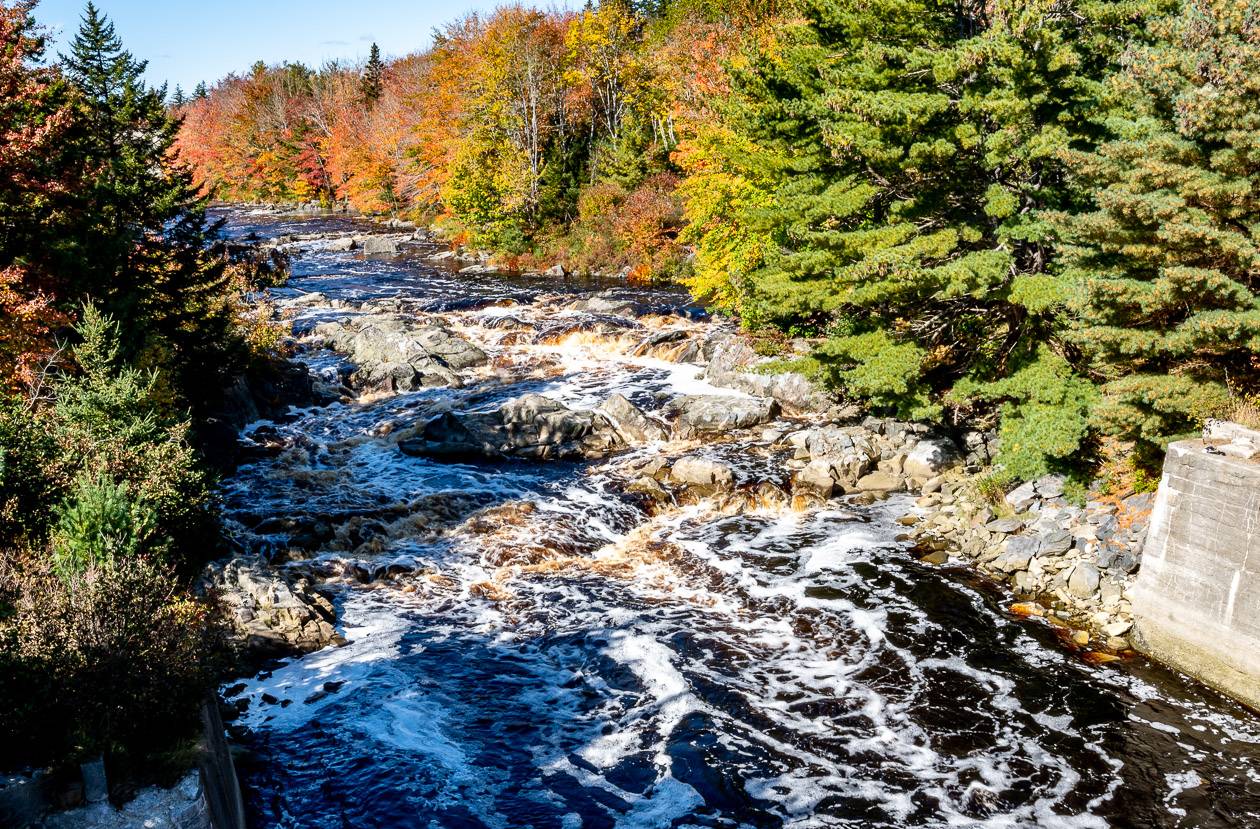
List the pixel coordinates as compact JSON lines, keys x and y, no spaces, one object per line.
{"x":127,"y":656}
{"x":100,"y":523}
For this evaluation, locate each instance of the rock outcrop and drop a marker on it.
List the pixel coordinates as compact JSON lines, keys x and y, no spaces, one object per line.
{"x":397,"y":353}
{"x":273,"y":615}
{"x":533,"y":427}
{"x":708,"y":414}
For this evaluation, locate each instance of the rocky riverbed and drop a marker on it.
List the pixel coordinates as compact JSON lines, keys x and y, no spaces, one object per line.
{"x":563,"y":553}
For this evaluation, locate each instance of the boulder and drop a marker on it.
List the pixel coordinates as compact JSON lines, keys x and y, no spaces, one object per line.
{"x":817,"y":476}
{"x":379,"y":245}
{"x":880,"y":481}
{"x":395,"y":352}
{"x":630,"y":421}
{"x":1083,"y":582}
{"x":733,"y":364}
{"x":271,"y":614}
{"x":702,"y":473}
{"x":931,"y":457}
{"x":1023,"y":497}
{"x":706,"y":414}
{"x":532,"y":426}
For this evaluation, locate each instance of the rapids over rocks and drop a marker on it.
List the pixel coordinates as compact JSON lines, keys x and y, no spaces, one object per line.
{"x":550,"y":651}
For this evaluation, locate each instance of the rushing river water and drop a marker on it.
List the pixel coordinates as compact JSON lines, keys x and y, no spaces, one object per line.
{"x":563,"y":659}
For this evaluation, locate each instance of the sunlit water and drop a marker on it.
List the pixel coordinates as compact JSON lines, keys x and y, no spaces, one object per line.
{"x":564,"y":660}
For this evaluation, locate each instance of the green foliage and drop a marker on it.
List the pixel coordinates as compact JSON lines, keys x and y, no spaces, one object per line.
{"x":1045,"y":409}
{"x":1165,"y":267}
{"x":98,"y":524}
{"x":30,"y":482}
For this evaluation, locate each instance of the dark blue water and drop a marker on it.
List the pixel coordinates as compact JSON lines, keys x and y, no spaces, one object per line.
{"x":561,"y":658}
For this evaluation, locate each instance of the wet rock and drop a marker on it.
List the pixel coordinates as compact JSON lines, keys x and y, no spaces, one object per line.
{"x":817,"y":477}
{"x":630,"y":421}
{"x":272,"y":614}
{"x":703,"y":473}
{"x":532,"y":426}
{"x":704,"y":414}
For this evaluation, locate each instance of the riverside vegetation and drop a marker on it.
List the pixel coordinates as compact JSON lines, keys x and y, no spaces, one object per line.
{"x":1028,"y":226}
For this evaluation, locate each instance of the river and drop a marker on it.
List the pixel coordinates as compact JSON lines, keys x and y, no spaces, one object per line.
{"x":564,"y":659}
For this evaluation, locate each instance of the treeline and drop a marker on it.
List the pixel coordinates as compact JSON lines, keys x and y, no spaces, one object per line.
{"x":119,"y":326}
{"x":1039,"y":214}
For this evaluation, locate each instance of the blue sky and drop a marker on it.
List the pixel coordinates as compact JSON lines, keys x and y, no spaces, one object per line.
{"x":187,"y":42}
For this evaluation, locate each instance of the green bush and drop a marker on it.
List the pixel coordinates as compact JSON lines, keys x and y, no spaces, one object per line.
{"x":98,"y":524}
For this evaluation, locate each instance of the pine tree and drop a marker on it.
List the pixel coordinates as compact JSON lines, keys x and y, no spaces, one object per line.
{"x":141,"y":245}
{"x":178,"y":99}
{"x":373,"y":76}
{"x":1167,"y":265}
{"x":201,"y":93}
{"x":907,"y":150}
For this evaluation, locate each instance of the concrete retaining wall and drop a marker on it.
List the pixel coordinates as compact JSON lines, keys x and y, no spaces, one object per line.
{"x":1196,"y":602}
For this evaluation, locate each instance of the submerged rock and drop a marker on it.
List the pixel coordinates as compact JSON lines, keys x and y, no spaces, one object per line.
{"x":532,"y":426}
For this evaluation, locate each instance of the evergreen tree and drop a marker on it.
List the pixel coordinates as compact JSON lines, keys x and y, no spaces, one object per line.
{"x":141,"y":245}
{"x":373,"y":76}
{"x":178,"y":98}
{"x":1167,"y":265}
{"x":907,"y":150}
{"x":201,"y":93}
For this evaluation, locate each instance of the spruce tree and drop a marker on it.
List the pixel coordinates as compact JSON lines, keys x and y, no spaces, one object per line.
{"x":200,"y":93}
{"x":178,"y":99}
{"x":373,"y":76}
{"x":140,"y":249}
{"x":910,"y":150}
{"x":1167,"y":264}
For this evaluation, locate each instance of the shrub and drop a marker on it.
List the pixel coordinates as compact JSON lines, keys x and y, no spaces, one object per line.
{"x":129,"y":657}
{"x":98,"y":524}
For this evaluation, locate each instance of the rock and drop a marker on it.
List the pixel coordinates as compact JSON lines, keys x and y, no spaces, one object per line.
{"x":1054,"y":543}
{"x":1005,"y":526}
{"x":378,"y":245}
{"x":936,"y":557}
{"x":1050,"y":486}
{"x":816,"y":476}
{"x":703,"y":473}
{"x":646,"y":485}
{"x":1083,"y":582}
{"x":341,"y":245}
{"x":1018,"y":554}
{"x":879,"y":481}
{"x":1022,"y":497}
{"x":930,"y":458}
{"x":556,"y":270}
{"x":631,"y":422}
{"x":732,"y":364}
{"x":532,"y":426}
{"x":703,"y":414}
{"x":1117,"y":628}
{"x":397,"y":353}
{"x":273,"y":615}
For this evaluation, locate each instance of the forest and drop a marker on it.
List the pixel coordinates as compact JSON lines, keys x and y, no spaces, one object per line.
{"x":1040,"y":216}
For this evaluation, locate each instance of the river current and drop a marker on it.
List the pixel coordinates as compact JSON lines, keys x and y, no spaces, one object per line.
{"x":561,"y":658}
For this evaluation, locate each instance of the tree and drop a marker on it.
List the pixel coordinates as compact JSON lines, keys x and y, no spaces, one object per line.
{"x":1167,"y":263}
{"x":36,"y":180}
{"x":140,"y":246}
{"x":200,"y":93}
{"x":907,"y":151}
{"x":177,"y":98}
{"x":373,"y":76}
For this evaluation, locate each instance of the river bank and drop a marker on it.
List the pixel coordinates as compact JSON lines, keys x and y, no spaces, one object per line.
{"x":586,"y":497}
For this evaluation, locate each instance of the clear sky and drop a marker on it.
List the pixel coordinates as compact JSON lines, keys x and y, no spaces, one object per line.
{"x":187,"y":41}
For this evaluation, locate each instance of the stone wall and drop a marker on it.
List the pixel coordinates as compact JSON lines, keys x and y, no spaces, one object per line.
{"x":1196,"y":601}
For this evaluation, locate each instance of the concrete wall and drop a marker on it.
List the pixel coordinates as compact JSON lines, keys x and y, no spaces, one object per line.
{"x":1196,"y":602}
